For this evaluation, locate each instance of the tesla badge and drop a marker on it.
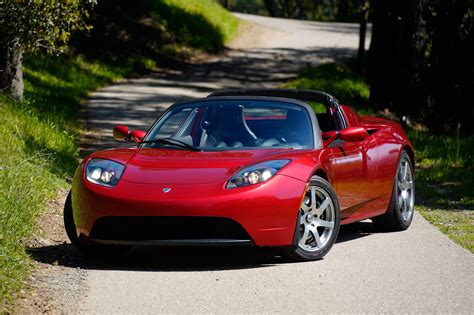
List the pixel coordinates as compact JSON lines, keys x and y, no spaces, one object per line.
{"x":166,"y":190}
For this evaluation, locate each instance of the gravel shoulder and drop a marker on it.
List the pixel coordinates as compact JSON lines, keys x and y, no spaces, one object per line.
{"x":419,"y":270}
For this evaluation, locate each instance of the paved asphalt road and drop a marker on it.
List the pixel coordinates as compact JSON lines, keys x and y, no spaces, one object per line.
{"x":419,"y":270}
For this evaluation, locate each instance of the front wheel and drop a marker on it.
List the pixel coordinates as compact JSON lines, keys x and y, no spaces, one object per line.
{"x":318,"y":221}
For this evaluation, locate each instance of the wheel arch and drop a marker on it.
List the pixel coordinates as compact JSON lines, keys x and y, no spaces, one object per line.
{"x":411,"y":154}
{"x":321,"y":173}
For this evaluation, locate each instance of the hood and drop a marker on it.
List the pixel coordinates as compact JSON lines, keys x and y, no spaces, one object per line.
{"x":163,"y":166}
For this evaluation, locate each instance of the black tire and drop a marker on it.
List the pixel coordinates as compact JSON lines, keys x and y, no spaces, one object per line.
{"x":303,"y":249}
{"x":395,"y":219}
{"x":87,"y":249}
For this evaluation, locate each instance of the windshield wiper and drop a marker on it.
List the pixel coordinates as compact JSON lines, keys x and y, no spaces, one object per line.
{"x":173,"y":142}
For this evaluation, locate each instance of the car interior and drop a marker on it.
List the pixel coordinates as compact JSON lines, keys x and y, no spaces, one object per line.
{"x":236,"y":126}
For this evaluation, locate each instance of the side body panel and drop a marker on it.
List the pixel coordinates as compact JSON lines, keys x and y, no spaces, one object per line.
{"x":365,"y":170}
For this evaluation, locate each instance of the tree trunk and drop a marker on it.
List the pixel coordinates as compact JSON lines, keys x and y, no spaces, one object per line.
{"x":5,"y":76}
{"x":226,"y":4}
{"x":364,"y":16}
{"x":449,"y":80}
{"x":397,"y":55}
{"x":11,"y":75}
{"x":15,"y":62}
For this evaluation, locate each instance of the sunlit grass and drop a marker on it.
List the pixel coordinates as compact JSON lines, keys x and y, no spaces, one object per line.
{"x":201,"y":24}
{"x":222,"y":20}
{"x":457,"y":224}
{"x":38,"y":150}
{"x":337,"y":79}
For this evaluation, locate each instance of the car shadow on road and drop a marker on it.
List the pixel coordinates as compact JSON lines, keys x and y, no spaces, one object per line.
{"x":166,"y":259}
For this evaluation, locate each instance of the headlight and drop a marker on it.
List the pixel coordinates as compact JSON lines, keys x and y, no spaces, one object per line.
{"x":255,"y":174}
{"x":104,"y":172}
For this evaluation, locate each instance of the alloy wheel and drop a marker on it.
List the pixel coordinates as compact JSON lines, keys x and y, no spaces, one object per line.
{"x":405,"y":191}
{"x":317,"y":219}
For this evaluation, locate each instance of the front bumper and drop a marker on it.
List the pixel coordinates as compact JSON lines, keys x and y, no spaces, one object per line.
{"x":267,"y":212}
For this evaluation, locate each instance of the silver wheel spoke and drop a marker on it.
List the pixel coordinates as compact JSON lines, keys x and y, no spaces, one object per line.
{"x":304,"y":238}
{"x":315,"y":233}
{"x":304,"y":204}
{"x":405,"y":206}
{"x":404,"y":170}
{"x":400,"y":202}
{"x":302,"y":218}
{"x":322,"y":207}
{"x":326,"y":224}
{"x":313,"y":199}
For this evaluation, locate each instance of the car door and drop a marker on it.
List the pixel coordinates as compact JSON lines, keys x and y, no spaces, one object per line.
{"x":354,"y":165}
{"x":354,"y":168}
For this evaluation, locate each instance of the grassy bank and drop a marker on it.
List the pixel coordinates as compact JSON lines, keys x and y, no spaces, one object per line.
{"x":444,"y":170}
{"x":38,"y":137}
{"x":38,"y":150}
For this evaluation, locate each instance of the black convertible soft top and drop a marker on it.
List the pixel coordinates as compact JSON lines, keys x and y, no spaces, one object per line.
{"x":298,"y":94}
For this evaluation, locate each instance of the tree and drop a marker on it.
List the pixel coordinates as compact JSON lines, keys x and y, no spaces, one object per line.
{"x":286,"y":8}
{"x":26,"y":26}
{"x":450,"y":67}
{"x":363,"y":18}
{"x":420,"y":62}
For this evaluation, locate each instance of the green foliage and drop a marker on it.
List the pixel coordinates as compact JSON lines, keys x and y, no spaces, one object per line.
{"x":36,"y":24}
{"x":159,"y":30}
{"x":38,"y":149}
{"x":336,"y":79}
{"x":324,"y":10}
{"x":445,"y":170}
{"x":198,"y":23}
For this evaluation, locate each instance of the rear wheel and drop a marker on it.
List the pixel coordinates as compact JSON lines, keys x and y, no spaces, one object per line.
{"x":84,"y":248}
{"x":318,"y":221}
{"x":402,"y":203}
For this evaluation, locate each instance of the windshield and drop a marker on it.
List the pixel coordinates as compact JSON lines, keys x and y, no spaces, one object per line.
{"x":235,"y":125}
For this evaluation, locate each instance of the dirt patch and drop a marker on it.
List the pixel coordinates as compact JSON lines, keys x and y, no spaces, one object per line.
{"x":253,"y":35}
{"x":52,"y":287}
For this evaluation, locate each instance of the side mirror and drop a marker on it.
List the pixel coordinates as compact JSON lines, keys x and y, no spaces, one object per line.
{"x":329,"y":134}
{"x":353,"y":134}
{"x":123,"y":133}
{"x":137,"y":135}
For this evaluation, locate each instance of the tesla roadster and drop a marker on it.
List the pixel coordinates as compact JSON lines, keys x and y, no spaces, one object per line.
{"x":256,"y":167}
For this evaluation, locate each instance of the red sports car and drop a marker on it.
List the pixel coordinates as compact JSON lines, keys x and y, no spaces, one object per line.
{"x":259,"y":167}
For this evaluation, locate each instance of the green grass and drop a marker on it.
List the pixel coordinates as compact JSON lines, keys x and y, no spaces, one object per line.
{"x":338,"y":80}
{"x":444,"y":170}
{"x":38,"y":150}
{"x":198,"y":23}
{"x":445,"y":181}
{"x":162,"y":30}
